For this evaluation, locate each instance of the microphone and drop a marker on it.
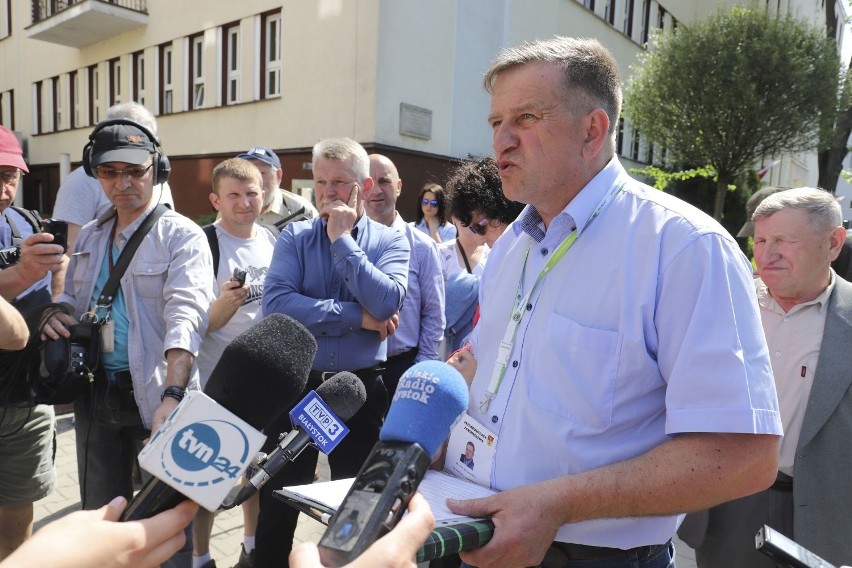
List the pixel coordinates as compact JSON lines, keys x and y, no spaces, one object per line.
{"x":318,"y":418}
{"x":429,"y":399}
{"x":260,"y":372}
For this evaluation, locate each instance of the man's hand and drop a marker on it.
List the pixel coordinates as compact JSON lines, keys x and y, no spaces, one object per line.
{"x":384,"y":327}
{"x":342,"y":216}
{"x":57,"y":325}
{"x":463,"y":361}
{"x":38,"y":257}
{"x":396,"y":549}
{"x":223,"y":308}
{"x":525,"y":524}
{"x":94,"y":538}
{"x":167,"y":406}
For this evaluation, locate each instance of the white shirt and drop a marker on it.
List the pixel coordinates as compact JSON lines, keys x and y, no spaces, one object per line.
{"x":252,"y":255}
{"x":646,"y":328}
{"x":794,"y":340}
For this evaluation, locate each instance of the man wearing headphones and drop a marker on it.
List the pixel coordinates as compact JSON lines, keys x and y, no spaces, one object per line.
{"x":155,"y":319}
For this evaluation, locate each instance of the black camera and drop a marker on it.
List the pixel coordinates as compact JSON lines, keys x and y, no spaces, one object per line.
{"x":9,"y":256}
{"x":240,"y":275}
{"x":59,"y":230}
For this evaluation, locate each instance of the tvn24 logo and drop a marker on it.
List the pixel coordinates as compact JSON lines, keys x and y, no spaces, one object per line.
{"x":206,"y":453}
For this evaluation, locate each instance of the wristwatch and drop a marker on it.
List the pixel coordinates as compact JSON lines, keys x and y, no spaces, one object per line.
{"x":173,"y":392}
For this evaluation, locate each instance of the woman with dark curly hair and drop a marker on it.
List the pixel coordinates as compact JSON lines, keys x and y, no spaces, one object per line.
{"x":480,"y":213}
{"x":432,"y":214}
{"x":475,"y":195}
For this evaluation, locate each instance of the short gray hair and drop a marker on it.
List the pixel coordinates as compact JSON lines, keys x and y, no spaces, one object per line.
{"x":132,"y":110}
{"x":344,"y":150}
{"x":587,"y":66}
{"x":820,"y":205}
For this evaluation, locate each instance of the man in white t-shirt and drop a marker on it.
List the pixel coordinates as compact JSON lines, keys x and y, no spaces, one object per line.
{"x":237,"y":195}
{"x":280,"y":207}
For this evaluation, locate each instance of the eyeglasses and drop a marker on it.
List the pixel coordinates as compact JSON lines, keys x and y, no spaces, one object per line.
{"x":10,"y":177}
{"x":432,"y":202}
{"x":479,"y":227}
{"x":133,"y":172}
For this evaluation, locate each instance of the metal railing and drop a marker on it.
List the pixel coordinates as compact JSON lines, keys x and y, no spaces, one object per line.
{"x":43,"y":9}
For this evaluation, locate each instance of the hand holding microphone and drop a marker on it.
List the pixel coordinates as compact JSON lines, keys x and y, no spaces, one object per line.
{"x":429,"y":399}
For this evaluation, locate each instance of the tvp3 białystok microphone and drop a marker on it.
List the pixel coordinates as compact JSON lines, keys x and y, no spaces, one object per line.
{"x":211,"y":438}
{"x":429,"y":399}
{"x":319,"y":420}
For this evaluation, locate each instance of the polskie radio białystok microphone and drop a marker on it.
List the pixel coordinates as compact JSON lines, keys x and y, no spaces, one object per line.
{"x":211,"y":437}
{"x":429,"y":399}
{"x":317,"y":420}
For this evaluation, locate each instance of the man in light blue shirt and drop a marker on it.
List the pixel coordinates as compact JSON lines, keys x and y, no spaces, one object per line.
{"x":421,"y":320}
{"x":343,"y":276}
{"x":624,"y":374}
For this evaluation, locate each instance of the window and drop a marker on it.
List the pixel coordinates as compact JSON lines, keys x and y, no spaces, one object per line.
{"x":94,"y":95}
{"x":196,"y":75}
{"x":114,"y":81}
{"x":56,"y":104}
{"x":38,"y":107}
{"x":5,"y":18}
{"x":619,"y":139}
{"x":661,"y":18}
{"x":7,"y":109}
{"x":270,"y":73}
{"x":139,"y":77}
{"x":74,"y":100}
{"x":231,"y":62}
{"x":609,"y":12}
{"x":628,"y":18}
{"x":646,"y":17}
{"x":634,"y":145}
{"x":166,"y":85}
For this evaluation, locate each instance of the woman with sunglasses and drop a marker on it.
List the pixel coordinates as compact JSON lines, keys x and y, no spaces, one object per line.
{"x":432,"y":215}
{"x":481,"y":212}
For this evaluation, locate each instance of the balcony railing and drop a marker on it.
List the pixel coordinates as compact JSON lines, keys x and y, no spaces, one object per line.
{"x":43,"y":9}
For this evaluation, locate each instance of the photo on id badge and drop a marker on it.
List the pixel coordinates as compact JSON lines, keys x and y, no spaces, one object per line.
{"x":470,"y":451}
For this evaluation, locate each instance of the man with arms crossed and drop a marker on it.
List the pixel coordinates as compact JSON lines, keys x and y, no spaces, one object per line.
{"x":636,"y":363}
{"x":342,"y":276}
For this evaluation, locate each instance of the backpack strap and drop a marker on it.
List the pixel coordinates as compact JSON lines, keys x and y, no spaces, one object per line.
{"x":213,"y":241}
{"x":32,"y":217}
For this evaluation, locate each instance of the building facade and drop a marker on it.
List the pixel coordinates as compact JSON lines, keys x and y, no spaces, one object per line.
{"x":403,"y":77}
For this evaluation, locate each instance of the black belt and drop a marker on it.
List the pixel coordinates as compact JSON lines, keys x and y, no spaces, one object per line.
{"x":560,"y":552}
{"x":783,"y":482}
{"x":368,"y":373}
{"x":408,"y":353}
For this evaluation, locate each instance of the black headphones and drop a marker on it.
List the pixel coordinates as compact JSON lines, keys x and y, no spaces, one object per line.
{"x":162,"y":167}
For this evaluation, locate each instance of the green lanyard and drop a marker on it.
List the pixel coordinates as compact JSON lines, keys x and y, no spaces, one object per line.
{"x":521,"y":300}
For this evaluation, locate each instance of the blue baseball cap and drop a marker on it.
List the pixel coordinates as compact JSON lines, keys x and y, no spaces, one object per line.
{"x":265,"y":155}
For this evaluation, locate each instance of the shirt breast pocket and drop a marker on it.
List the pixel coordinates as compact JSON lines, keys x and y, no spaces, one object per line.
{"x":574,"y":374}
{"x":81,"y":270}
{"x":150,"y":279}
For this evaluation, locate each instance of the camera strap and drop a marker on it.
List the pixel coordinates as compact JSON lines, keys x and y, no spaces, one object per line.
{"x":108,"y":293}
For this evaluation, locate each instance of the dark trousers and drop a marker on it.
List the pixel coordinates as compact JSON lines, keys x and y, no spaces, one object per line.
{"x":109,"y":434}
{"x":277,"y":521}
{"x":395,"y":367}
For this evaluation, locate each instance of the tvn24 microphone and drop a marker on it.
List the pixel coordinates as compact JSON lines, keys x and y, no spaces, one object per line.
{"x":260,"y":372}
{"x":317,"y":419}
{"x":430,"y":397}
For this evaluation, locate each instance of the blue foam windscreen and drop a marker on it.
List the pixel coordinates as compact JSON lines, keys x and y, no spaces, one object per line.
{"x":430,"y":397}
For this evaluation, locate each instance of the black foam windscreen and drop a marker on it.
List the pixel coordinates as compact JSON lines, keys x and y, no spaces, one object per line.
{"x":263,"y":370}
{"x":344,"y":393}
